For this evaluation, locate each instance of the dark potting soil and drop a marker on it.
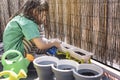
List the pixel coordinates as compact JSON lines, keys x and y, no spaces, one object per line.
{"x":67,"y":47}
{"x":66,"y":67}
{"x":87,"y":72}
{"x":79,"y":53}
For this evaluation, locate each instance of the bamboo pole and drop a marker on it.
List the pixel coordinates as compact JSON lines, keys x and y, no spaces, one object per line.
{"x":68,"y":37}
{"x":52,"y":14}
{"x":95,"y":26}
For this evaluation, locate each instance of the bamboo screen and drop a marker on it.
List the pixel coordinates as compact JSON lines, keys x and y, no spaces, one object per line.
{"x":93,"y":25}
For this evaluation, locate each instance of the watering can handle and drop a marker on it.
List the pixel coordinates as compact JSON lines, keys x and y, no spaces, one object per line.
{"x":8,"y":52}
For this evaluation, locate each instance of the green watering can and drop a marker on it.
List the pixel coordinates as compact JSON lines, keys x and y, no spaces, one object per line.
{"x":15,"y":62}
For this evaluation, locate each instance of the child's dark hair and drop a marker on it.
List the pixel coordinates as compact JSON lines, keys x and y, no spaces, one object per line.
{"x":32,"y":8}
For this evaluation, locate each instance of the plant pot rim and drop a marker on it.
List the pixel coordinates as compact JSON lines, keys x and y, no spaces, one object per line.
{"x":98,"y":75}
{"x":60,"y":70}
{"x":48,"y":58}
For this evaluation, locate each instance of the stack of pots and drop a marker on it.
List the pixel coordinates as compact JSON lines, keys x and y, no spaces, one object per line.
{"x":52,"y":68}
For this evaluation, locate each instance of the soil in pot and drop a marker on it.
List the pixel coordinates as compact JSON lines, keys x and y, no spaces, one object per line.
{"x":66,"y":67}
{"x":46,"y":62}
{"x":87,"y":72}
{"x":79,"y":53}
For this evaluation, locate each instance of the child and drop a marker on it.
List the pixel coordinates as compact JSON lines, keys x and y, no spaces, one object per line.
{"x":25,"y":24}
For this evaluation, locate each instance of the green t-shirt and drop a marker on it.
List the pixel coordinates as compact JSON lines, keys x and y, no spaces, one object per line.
{"x":18,"y":28}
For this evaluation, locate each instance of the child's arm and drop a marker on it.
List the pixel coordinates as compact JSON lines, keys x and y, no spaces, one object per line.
{"x":43,"y":43}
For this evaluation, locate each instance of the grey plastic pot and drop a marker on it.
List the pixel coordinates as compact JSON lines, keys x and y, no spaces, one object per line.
{"x":64,"y":69}
{"x":88,"y":72}
{"x":43,"y":67}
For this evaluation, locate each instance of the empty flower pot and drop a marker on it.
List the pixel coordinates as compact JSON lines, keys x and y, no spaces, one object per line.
{"x":88,"y":72}
{"x":43,"y":67}
{"x":64,"y":69}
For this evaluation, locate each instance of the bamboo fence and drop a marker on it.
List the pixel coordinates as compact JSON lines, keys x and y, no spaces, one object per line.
{"x":93,"y":25}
